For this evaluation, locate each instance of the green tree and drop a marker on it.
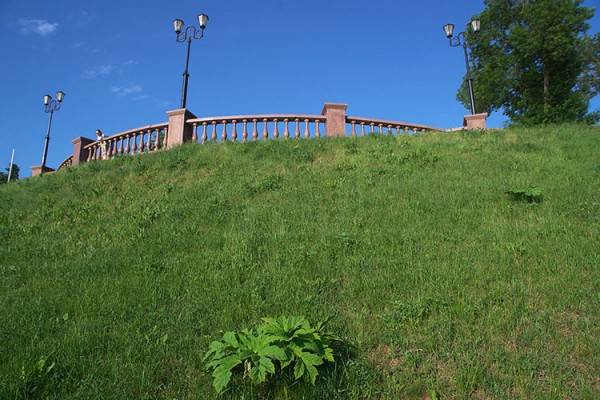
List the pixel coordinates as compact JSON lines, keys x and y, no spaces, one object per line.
{"x":14,"y":174}
{"x":534,"y":60}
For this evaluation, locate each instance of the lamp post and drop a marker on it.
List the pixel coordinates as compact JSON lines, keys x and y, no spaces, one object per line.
{"x":460,"y":40}
{"x":186,"y":36}
{"x":51,"y":106}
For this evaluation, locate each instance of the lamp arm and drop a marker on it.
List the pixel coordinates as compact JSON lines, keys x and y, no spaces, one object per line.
{"x":52,"y":106}
{"x":191,"y":32}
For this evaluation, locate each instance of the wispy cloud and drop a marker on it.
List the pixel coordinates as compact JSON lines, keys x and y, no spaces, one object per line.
{"x":105,"y":70}
{"x":77,"y":45}
{"x":37,"y":26}
{"x":98,"y":71}
{"x":129,"y":62}
{"x":123,"y":91}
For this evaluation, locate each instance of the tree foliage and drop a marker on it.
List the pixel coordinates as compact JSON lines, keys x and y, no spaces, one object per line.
{"x":534,"y":61}
{"x":14,"y":174}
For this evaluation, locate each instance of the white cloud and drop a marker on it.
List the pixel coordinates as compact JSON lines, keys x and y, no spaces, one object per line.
{"x":129,"y":62}
{"x":105,"y":70}
{"x":100,"y":70}
{"x":127,"y":90}
{"x":37,"y":26}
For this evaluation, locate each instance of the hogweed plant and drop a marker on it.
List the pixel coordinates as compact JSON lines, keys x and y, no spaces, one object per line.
{"x":275,"y":345}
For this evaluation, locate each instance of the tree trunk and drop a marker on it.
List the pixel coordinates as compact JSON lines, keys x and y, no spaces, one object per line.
{"x":546,"y":89}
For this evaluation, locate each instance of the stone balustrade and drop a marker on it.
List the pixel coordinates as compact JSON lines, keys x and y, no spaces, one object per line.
{"x":185,"y":127}
{"x":256,"y":127}
{"x":146,"y":139}
{"x":359,"y":126}
{"x":136,"y":141}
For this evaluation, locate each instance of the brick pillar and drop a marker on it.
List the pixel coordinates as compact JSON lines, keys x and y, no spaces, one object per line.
{"x":475,"y":121}
{"x":335,"y":117}
{"x":37,"y":170}
{"x":179,"y":132}
{"x":79,"y":154}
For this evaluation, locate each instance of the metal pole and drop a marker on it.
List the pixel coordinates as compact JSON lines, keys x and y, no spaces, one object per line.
{"x":47,"y":140}
{"x":469,"y":80}
{"x":186,"y":75}
{"x":12,"y":158}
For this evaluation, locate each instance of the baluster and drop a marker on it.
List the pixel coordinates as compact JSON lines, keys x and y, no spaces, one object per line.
{"x":140,"y":148}
{"x":297,"y":131}
{"x":157,"y":139}
{"x":109,"y":148}
{"x":306,"y":131}
{"x":245,"y":131}
{"x":224,"y":132}
{"x":214,"y":132}
{"x":372,"y":124}
{"x":204,"y":136}
{"x":149,"y":144}
{"x":286,"y":132}
{"x":406,"y":130}
{"x":234,"y":133}
{"x":195,"y":133}
{"x":390,"y":130}
{"x":89,"y":157}
{"x":276,"y":131}
{"x":127,"y":148}
{"x":362,"y":129}
{"x":317,"y":132}
{"x":121,"y":140}
{"x":142,"y":142}
{"x":139,"y":143}
{"x":265,"y":130}
{"x":254,"y":130}
{"x":166,"y":137}
{"x":134,"y":144}
{"x":380,"y":128}
{"x":353,"y":128}
{"x":398,"y":129}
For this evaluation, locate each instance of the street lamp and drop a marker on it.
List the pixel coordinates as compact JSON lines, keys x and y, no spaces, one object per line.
{"x":186,"y":36}
{"x":460,"y":40}
{"x":51,"y":106}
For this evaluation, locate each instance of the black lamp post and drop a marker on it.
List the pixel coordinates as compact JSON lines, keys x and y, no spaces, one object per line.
{"x":182,"y":36}
{"x":51,"y":106}
{"x":460,"y":40}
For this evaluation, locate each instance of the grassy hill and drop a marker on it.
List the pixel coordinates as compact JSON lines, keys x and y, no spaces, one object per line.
{"x":115,"y":276}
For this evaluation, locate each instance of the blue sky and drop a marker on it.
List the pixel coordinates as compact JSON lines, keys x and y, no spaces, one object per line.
{"x":121,"y":68}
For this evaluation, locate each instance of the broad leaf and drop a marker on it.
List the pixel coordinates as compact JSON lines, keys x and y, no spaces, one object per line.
{"x":309,"y":362}
{"x":222,"y":373}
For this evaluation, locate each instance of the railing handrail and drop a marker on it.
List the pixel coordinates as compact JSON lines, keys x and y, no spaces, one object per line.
{"x":258,"y":117}
{"x":386,"y":123}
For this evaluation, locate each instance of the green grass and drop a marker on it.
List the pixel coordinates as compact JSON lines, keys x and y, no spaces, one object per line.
{"x":115,"y":276}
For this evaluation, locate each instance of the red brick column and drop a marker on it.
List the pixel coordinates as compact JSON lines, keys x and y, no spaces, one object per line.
{"x":179,"y":132}
{"x":335,"y":114}
{"x":475,"y":121}
{"x":80,"y":155}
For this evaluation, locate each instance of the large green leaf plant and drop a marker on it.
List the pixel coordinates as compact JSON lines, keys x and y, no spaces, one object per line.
{"x":275,"y":345}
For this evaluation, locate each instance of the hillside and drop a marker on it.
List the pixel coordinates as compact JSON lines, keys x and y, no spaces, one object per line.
{"x":115,"y":276}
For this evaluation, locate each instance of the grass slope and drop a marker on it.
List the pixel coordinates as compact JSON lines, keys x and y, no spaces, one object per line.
{"x":115,"y":276}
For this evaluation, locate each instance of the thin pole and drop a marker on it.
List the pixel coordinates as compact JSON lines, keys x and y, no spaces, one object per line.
{"x":12,"y":158}
{"x":469,"y":80}
{"x":47,"y":141}
{"x":186,"y":75}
